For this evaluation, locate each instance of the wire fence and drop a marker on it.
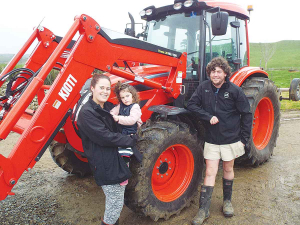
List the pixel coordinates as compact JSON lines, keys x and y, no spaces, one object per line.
{"x":296,"y":69}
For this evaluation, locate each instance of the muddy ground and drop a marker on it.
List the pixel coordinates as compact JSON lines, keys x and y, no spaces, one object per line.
{"x":269,"y":194}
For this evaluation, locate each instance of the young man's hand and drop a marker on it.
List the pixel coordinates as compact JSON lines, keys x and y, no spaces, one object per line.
{"x":214,"y":120}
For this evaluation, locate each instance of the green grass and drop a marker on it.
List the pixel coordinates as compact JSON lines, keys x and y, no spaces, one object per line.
{"x":283,"y":78}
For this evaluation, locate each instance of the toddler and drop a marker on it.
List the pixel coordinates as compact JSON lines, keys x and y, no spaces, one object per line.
{"x":127,"y":114}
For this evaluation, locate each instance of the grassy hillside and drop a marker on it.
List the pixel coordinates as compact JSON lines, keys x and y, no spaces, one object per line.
{"x":285,"y":59}
{"x":287,"y":55}
{"x":5,"y":58}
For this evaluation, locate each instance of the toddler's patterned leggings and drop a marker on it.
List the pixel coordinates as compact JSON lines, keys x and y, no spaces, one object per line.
{"x":114,"y":200}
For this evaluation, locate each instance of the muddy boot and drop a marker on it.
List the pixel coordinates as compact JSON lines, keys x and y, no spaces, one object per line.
{"x":227,"y":193}
{"x":204,"y":204}
{"x":116,"y":223}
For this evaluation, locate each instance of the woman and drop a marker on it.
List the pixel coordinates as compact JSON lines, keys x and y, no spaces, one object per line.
{"x":100,"y":140}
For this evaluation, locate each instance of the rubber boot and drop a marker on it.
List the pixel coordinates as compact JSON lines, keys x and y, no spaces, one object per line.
{"x":204,"y":204}
{"x":227,"y":193}
{"x":116,"y":223}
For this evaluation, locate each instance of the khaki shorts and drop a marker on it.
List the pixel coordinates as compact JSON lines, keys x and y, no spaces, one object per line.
{"x":226,"y":152}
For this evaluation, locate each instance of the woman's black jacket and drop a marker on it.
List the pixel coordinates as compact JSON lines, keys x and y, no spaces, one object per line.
{"x":100,"y":140}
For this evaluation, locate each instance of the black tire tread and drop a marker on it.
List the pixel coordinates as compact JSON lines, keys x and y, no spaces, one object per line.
{"x":255,"y":89}
{"x":139,"y":195}
{"x":67,"y":160}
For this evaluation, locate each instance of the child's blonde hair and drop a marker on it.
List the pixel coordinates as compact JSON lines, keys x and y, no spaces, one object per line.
{"x":126,"y":87}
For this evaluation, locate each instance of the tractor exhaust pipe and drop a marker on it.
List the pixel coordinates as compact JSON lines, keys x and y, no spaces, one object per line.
{"x":130,"y":31}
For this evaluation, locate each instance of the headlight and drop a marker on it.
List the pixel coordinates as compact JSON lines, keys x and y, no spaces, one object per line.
{"x":149,"y":12}
{"x":188,"y":3}
{"x":177,"y":6}
{"x":143,"y":13}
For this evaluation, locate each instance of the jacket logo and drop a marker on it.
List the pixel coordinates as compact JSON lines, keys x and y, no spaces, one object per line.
{"x":206,"y":90}
{"x":226,"y":95}
{"x":67,"y":88}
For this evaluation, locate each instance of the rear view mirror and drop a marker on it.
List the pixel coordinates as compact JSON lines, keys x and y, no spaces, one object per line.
{"x":219,"y":23}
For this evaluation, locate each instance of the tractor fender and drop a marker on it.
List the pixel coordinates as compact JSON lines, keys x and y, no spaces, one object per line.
{"x":167,"y":110}
{"x":184,"y":115}
{"x":240,"y":76}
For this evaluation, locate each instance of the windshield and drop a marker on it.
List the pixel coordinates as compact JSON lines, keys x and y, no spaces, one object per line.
{"x":179,"y":33}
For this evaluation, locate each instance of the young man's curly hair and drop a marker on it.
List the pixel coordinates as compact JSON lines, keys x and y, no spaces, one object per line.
{"x":218,"y":62}
{"x":127,"y":87}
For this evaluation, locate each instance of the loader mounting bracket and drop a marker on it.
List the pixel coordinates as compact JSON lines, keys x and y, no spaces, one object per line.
{"x":7,"y":168}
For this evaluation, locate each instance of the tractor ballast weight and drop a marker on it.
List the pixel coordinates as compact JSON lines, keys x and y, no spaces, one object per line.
{"x":171,"y":140}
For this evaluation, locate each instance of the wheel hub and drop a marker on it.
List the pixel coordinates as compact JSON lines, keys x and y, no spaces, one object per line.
{"x":163,"y":168}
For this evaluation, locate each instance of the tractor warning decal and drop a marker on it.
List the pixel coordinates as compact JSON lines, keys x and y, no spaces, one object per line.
{"x":179,"y":77}
{"x":56,"y":104}
{"x":167,"y":53}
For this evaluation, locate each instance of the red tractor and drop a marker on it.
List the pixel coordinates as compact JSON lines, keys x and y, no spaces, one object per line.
{"x":179,"y":40}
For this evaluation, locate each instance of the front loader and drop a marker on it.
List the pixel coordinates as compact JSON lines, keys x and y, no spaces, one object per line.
{"x":179,"y":41}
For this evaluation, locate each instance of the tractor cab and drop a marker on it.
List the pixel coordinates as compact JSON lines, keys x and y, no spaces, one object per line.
{"x":202,"y":29}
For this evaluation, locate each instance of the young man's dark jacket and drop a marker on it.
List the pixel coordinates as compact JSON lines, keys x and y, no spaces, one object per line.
{"x":229,"y":105}
{"x":100,"y":140}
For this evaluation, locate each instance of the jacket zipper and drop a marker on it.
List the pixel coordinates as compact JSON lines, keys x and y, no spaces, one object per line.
{"x":216,"y":125}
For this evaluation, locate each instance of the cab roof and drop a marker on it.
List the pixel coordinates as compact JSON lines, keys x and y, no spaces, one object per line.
{"x":231,"y":8}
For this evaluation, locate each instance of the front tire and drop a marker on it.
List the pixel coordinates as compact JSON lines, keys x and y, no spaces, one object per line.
{"x":68,"y":160}
{"x":265,"y":107}
{"x":167,"y":179}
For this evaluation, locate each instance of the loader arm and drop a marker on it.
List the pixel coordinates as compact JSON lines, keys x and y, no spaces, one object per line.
{"x":46,"y":43}
{"x":92,"y":50}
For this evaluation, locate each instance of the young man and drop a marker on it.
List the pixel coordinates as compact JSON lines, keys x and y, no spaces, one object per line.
{"x":225,"y":111}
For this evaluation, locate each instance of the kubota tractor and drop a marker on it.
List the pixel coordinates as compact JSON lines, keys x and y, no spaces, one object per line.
{"x":179,"y":40}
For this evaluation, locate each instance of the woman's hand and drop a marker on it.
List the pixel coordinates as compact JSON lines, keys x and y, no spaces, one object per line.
{"x":116,"y":118}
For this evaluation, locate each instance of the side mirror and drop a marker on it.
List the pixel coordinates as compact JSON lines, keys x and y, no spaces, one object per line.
{"x":219,"y":23}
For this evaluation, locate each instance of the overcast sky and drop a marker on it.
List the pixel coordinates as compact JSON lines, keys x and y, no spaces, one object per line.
{"x":271,"y":21}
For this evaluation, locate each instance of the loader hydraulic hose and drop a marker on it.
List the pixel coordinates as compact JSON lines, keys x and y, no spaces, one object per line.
{"x":19,"y":70}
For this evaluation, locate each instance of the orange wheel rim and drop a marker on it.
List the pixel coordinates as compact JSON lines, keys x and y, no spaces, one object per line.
{"x":172,"y":173}
{"x":263,"y":122}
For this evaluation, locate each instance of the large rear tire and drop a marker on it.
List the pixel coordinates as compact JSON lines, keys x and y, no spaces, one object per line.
{"x":68,"y":160}
{"x":167,"y":179}
{"x":265,"y":107}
